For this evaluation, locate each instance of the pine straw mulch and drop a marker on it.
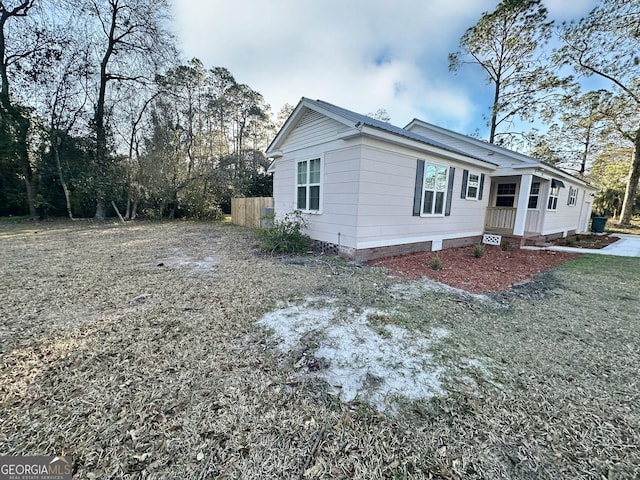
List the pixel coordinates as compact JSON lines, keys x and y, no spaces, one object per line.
{"x":496,"y":270}
{"x":134,"y":349}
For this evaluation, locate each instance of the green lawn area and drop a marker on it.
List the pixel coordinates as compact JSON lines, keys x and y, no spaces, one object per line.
{"x":136,"y":349}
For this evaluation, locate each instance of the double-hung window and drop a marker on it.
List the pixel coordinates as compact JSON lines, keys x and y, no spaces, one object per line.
{"x":308,"y":183}
{"x":554,"y":193}
{"x":435,"y":189}
{"x":573,"y":197}
{"x":473,"y":186}
{"x":534,"y":195}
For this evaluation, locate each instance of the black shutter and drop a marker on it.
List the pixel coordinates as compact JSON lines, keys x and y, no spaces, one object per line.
{"x":447,"y":210}
{"x":417,"y":194}
{"x":481,"y":186}
{"x":465,"y":179}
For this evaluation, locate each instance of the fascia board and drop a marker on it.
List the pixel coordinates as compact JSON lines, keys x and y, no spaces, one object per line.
{"x":285,"y":129}
{"x":414,"y":144}
{"x":295,"y":117}
{"x":543,"y":171}
{"x":272,"y":167}
{"x":519,"y":157}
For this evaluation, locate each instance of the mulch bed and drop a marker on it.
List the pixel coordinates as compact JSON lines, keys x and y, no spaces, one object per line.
{"x":496,"y":270}
{"x":588,"y":240}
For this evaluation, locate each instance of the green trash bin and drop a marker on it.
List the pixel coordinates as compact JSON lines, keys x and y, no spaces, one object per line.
{"x":597,"y":224}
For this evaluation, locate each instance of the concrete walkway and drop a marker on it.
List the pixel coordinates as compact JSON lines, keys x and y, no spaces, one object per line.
{"x":627,"y":246}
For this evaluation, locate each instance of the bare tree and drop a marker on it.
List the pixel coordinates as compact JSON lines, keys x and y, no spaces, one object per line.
{"x":14,"y":119}
{"x":134,"y":44}
{"x":62,"y":99}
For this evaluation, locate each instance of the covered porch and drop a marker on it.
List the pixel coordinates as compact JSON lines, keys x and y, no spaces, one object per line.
{"x":517,"y":205}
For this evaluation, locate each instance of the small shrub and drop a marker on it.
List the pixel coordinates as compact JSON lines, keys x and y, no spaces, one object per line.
{"x":505,"y":246}
{"x":478,"y":250}
{"x":571,"y":240}
{"x":285,"y":235}
{"x":436,"y":262}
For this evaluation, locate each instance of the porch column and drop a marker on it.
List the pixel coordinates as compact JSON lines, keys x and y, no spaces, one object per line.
{"x":523,"y":205}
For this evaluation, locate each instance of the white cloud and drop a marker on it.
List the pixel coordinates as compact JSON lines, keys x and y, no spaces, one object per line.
{"x":286,"y":49}
{"x":562,"y":10}
{"x":359,"y":54}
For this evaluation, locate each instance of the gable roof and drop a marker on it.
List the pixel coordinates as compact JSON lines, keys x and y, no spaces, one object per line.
{"x":357,"y":118}
{"x":358,"y":124}
{"x":490,"y":148}
{"x":507,"y":160}
{"x":468,"y":149}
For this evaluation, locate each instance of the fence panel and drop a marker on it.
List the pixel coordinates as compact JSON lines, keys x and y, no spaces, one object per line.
{"x":500,"y":218}
{"x":248,"y":211}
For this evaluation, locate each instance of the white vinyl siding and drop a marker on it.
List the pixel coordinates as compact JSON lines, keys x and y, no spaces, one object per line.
{"x":386,"y":201}
{"x":314,"y":128}
{"x":336,"y":221}
{"x":565,"y":217}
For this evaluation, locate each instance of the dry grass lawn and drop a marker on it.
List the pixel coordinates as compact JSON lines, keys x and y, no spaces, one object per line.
{"x":137,"y":350}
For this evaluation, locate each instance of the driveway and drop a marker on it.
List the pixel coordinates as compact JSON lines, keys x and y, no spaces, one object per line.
{"x":627,"y":246}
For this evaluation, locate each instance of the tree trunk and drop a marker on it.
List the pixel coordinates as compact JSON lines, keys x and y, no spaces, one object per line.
{"x":101,"y":132}
{"x":494,"y":113}
{"x":22,"y":125}
{"x":101,"y":158}
{"x":632,"y":184}
{"x":585,"y":152}
{"x":101,"y":210}
{"x":30,"y":189}
{"x":19,"y":123}
{"x":115,"y":207}
{"x":65,"y":187}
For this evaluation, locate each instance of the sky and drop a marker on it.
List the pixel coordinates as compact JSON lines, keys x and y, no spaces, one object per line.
{"x":362,"y":55}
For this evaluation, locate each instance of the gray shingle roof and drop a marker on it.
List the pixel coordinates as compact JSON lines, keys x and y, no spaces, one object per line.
{"x":357,"y":118}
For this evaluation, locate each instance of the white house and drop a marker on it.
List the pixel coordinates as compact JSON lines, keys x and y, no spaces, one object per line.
{"x":370,"y":189}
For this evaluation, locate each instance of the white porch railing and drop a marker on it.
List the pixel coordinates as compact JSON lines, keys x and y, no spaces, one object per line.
{"x":500,"y":218}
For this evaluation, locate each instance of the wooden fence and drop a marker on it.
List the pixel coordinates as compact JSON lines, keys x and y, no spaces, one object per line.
{"x":248,"y":211}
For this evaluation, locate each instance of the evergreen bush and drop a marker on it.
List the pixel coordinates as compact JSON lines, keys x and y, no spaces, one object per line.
{"x":285,"y":235}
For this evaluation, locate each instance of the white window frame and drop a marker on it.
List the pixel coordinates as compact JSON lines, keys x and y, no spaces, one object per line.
{"x":473,"y":184}
{"x":535,"y":195}
{"x":572,"y":201}
{"x":436,"y":190}
{"x":308,"y":185}
{"x":552,"y":202}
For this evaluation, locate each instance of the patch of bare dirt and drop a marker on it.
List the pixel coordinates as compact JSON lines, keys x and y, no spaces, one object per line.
{"x":496,"y":270}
